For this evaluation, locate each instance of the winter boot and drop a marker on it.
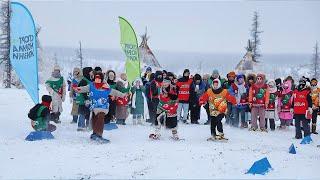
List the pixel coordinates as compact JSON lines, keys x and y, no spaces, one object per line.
{"x":175,"y":134}
{"x":263,"y":130}
{"x":272,"y":125}
{"x":252,"y":129}
{"x":314,"y":128}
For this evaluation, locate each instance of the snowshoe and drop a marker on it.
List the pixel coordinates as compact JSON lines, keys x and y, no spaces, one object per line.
{"x":252,"y":129}
{"x":263,"y":130}
{"x":81,"y":129}
{"x":176,"y":138}
{"x":154,"y":136}
{"x":99,"y":139}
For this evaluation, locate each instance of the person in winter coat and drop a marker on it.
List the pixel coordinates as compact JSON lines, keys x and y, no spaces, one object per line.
{"x":301,"y":108}
{"x":199,"y":89}
{"x":99,"y":92}
{"x":167,"y":110}
{"x":258,"y":101}
{"x":77,"y":77}
{"x":205,"y":80}
{"x":271,"y":109}
{"x":111,"y":80}
{"x":146,"y":76}
{"x":148,"y":95}
{"x":315,"y":95}
{"x":57,"y":90}
{"x":241,"y":92}
{"x":284,"y":104}
{"x":139,"y":106}
{"x":251,"y":79}
{"x":216,"y":75}
{"x":40,"y":115}
{"x":155,"y":87}
{"x":231,"y":110}
{"x":122,"y":103}
{"x":184,"y":88}
{"x":217,"y":97}
{"x":82,"y":99}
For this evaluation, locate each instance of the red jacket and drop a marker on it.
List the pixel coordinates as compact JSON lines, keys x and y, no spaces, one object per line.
{"x":184,"y":90}
{"x":301,"y":104}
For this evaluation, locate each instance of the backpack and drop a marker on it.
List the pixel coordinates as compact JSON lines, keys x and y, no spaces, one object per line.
{"x":35,"y":112}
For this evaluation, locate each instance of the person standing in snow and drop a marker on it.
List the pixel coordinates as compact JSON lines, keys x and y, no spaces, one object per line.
{"x":148,"y":95}
{"x":139,"y":106}
{"x":40,"y":115}
{"x":301,"y":108}
{"x":217,"y":97}
{"x":57,"y":90}
{"x":258,"y":101}
{"x":155,"y":87}
{"x":251,"y":79}
{"x":82,"y":99}
{"x":284,"y":104}
{"x":315,"y":94}
{"x":122,"y":103}
{"x":271,"y":109}
{"x":199,"y":89}
{"x":77,"y":77}
{"x":99,"y":93}
{"x":230,"y":114}
{"x":184,"y":88}
{"x":241,"y":92}
{"x":111,"y":80}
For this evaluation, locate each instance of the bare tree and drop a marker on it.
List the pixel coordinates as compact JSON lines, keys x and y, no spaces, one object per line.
{"x":79,"y":55}
{"x":5,"y":13}
{"x":315,"y":63}
{"x":255,"y":35}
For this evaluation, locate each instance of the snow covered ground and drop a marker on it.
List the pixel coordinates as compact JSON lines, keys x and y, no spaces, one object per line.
{"x":132,"y":155}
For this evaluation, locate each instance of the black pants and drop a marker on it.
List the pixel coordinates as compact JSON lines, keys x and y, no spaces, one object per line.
{"x":216,"y":123}
{"x":153,"y":110}
{"x":194,"y":113}
{"x":206,"y":107}
{"x":314,"y":116}
{"x":298,"y":118}
{"x":272,"y":124}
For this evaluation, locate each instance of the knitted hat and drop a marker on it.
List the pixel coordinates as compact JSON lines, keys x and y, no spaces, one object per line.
{"x":46,"y":98}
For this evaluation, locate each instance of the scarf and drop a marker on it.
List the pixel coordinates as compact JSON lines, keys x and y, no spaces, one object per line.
{"x":46,"y":104}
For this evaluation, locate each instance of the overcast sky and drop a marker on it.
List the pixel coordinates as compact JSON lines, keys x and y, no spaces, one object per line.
{"x":223,"y":27}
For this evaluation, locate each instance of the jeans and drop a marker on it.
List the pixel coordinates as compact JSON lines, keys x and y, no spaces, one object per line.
{"x":185,"y":108}
{"x":82,"y":121}
{"x":239,"y":113}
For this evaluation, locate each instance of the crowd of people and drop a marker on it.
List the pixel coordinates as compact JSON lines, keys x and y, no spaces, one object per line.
{"x":162,"y":98}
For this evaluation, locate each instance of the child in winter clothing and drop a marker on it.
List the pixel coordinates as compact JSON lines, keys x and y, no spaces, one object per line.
{"x":217,"y":97}
{"x":258,"y":101}
{"x":57,"y":89}
{"x":284,"y":104}
{"x":40,"y":115}
{"x":167,"y":110}
{"x":315,"y":95}
{"x":122,"y":103}
{"x":241,"y":91}
{"x":302,"y":105}
{"x":77,"y":77}
{"x":155,"y":87}
{"x":82,"y":99}
{"x":251,"y":79}
{"x":271,"y":114}
{"x":199,"y":89}
{"x":99,"y":92}
{"x":231,"y":109}
{"x":139,"y":106}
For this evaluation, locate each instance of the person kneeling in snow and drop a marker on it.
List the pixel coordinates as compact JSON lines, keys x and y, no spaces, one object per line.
{"x":40,"y":115}
{"x":99,"y":92}
{"x":217,"y":97}
{"x":167,"y":110}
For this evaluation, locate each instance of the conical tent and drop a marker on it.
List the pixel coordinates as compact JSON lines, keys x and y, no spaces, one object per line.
{"x":146,"y":55}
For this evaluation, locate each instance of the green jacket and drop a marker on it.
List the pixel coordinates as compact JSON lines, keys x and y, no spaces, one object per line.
{"x":41,"y":122}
